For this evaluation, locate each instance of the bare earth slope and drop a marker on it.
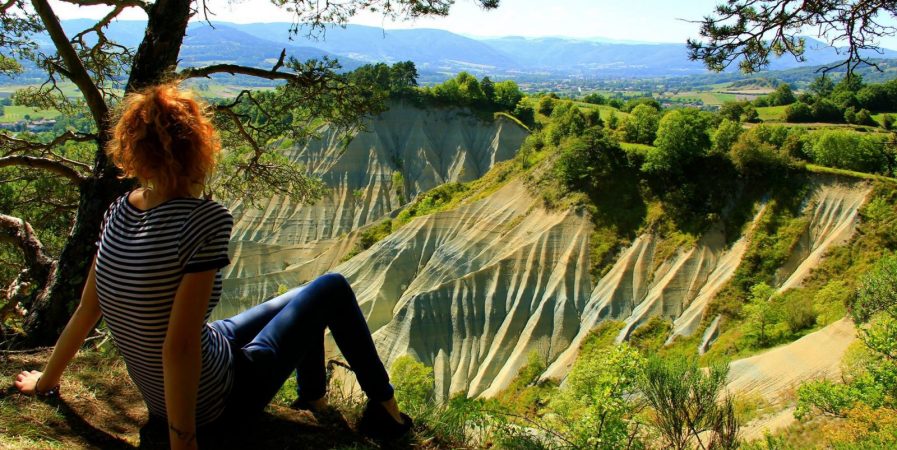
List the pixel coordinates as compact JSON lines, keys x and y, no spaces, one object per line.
{"x":472,"y":291}
{"x":287,"y":243}
{"x":775,"y":375}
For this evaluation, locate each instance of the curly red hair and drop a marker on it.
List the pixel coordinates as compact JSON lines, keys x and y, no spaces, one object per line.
{"x":162,"y":134}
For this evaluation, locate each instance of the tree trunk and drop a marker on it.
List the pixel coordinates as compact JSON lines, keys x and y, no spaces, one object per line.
{"x":156,"y":56}
{"x":51,"y":310}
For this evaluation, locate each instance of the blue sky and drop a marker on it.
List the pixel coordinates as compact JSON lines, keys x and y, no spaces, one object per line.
{"x":628,"y":20}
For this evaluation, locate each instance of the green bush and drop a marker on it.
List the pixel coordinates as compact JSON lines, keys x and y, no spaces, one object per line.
{"x":640,"y":127}
{"x":413,"y":383}
{"x":762,"y":314}
{"x":864,"y":117}
{"x":592,"y":409}
{"x":798,"y":311}
{"x":756,"y":155}
{"x":726,"y":135}
{"x":587,"y":163}
{"x":887,"y":121}
{"x":824,"y":110}
{"x":631,"y":104}
{"x":682,"y":136}
{"x":595,"y":99}
{"x":686,"y":403}
{"x":546,"y":105}
{"x":650,"y":336}
{"x":566,"y":120}
{"x":732,"y":111}
{"x":798,"y":112}
{"x":850,"y":115}
{"x":525,"y":113}
{"x":850,"y":150}
{"x":750,"y":114}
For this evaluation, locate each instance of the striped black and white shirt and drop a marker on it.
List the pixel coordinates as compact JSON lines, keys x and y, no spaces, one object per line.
{"x":142,"y":256}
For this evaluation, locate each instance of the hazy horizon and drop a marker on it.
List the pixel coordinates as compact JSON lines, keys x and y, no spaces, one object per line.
{"x":641,"y":21}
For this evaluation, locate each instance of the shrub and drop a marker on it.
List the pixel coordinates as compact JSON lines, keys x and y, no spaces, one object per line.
{"x":783,"y":95}
{"x":682,"y":136}
{"x":864,"y":117}
{"x":849,"y":150}
{"x":850,"y":115}
{"x":633,"y":103}
{"x":753,"y":157}
{"x":887,"y":121}
{"x":830,"y":398}
{"x":613,"y":121}
{"x":587,"y":162}
{"x":567,"y":121}
{"x":798,"y":311}
{"x":641,"y":125}
{"x":798,"y":112}
{"x":686,"y":403}
{"x":546,"y":105}
{"x":650,"y":337}
{"x":525,"y":113}
{"x":732,"y":110}
{"x":825,"y":111}
{"x":507,"y":95}
{"x":762,"y":313}
{"x":726,"y":135}
{"x":595,"y":99}
{"x":750,"y":114}
{"x":594,"y":402}
{"x":413,"y":383}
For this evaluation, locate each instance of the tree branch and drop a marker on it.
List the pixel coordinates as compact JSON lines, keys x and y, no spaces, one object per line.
{"x":13,"y":295}
{"x":56,"y":167}
{"x":75,"y":67}
{"x":127,"y":3}
{"x":17,"y":145}
{"x":235,"y":69}
{"x":19,"y":233}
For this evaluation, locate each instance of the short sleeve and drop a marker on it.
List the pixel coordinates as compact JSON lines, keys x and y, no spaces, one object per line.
{"x":106,"y":217}
{"x":205,"y":238}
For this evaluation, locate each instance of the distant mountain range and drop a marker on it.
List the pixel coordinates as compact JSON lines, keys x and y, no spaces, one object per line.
{"x":440,"y":53}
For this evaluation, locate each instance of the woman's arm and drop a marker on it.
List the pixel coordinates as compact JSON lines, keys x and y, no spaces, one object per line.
{"x":79,"y":326}
{"x":181,"y":356}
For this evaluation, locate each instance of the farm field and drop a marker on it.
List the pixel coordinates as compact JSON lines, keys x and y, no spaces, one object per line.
{"x":16,"y":113}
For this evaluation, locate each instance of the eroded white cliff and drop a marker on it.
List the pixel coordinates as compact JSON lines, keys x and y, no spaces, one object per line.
{"x":284,"y":243}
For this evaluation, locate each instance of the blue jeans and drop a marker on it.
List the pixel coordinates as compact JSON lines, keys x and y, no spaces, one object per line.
{"x":286,"y":333}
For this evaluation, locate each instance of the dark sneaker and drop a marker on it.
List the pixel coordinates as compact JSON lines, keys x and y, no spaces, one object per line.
{"x":377,"y":423}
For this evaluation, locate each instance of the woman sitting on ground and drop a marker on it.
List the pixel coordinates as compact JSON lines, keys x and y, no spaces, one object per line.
{"x":156,"y":278}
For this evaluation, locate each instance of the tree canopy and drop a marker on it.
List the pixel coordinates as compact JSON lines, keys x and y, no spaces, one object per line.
{"x":749,"y":32}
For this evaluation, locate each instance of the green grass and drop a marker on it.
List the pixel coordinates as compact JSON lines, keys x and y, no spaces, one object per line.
{"x":850,"y":173}
{"x":707,"y":98}
{"x":511,"y":118}
{"x":878,"y":117}
{"x":772,"y":113}
{"x":16,"y":113}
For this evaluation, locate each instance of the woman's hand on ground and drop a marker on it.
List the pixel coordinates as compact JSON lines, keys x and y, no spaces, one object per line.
{"x":26,"y":381}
